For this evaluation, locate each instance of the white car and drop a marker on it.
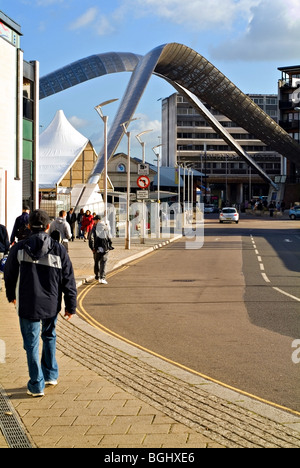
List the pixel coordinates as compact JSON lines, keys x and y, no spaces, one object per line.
{"x":229,"y":215}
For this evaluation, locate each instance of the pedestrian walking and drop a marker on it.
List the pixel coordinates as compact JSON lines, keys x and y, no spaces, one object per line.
{"x":87,"y":224}
{"x":38,"y":274}
{"x":4,"y":246}
{"x":20,"y":230}
{"x":272,"y":209}
{"x":100,"y":243}
{"x":79,"y":221}
{"x":60,"y":230}
{"x":71,"y":219}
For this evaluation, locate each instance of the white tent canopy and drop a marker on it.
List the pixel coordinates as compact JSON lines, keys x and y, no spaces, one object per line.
{"x":60,"y":146}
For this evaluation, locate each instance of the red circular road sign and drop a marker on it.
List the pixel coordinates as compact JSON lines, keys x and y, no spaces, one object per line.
{"x":143,"y":182}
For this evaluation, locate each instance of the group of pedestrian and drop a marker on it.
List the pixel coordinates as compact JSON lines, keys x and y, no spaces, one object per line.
{"x":38,"y":274}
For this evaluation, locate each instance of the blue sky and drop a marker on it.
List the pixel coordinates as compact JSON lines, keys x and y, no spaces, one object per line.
{"x":246,"y":39}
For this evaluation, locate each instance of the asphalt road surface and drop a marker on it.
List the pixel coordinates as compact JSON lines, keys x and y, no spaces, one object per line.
{"x":230,"y":310}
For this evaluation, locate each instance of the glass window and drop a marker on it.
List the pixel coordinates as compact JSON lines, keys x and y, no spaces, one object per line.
{"x":28,"y":99}
{"x":27,"y":150}
{"x":27,"y":129}
{"x":27,"y":108}
{"x":28,"y":89}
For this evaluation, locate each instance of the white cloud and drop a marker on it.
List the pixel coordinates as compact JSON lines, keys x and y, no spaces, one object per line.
{"x":198,"y":14}
{"x":100,"y":24}
{"x":77,"y":122}
{"x":255,"y":29}
{"x":143,"y":123}
{"x":272,"y":34}
{"x":86,"y":19}
{"x":103,"y":26}
{"x":151,"y":139}
{"x":44,"y":3}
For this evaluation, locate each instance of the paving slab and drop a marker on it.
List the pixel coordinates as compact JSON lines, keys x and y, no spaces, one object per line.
{"x":112,"y":395}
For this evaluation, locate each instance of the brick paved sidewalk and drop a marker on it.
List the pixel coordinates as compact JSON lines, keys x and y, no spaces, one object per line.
{"x":85,"y":409}
{"x":111,"y":396}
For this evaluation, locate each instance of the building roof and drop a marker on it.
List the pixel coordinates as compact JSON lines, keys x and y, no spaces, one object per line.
{"x":295,"y":68}
{"x":60,"y":146}
{"x":10,"y":22}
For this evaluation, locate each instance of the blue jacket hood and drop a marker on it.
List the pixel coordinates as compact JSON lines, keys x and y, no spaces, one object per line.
{"x":38,"y":245}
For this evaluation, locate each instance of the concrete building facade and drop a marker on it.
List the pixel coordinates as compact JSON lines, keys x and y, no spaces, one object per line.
{"x":188,"y":138}
{"x":289,"y":120}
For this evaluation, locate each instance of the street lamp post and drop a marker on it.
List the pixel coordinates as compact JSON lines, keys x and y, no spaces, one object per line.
{"x":143,"y":225}
{"x":190,"y":193}
{"x":105,"y":120}
{"x":184,"y":196}
{"x":158,"y":191}
{"x":192,"y":189}
{"x":127,"y":238}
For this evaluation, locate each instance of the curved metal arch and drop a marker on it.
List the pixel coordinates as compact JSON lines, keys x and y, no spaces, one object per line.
{"x":187,"y":71}
{"x":192,"y":71}
{"x":174,"y":61}
{"x":87,"y":69}
{"x":135,"y":89}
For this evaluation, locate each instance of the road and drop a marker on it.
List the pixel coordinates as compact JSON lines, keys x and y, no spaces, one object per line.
{"x":229,"y":310}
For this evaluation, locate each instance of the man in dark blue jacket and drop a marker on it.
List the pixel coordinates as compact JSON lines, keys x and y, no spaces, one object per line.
{"x":20,"y":229}
{"x":38,"y":273}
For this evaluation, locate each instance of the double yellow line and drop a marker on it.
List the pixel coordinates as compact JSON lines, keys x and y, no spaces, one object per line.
{"x":88,"y":318}
{"x":82,"y":295}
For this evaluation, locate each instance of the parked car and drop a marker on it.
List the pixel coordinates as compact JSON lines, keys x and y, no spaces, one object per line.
{"x":295,"y":212}
{"x":209,"y":208}
{"x":229,"y":215}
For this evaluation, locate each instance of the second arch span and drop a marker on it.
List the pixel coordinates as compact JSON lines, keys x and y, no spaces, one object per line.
{"x":190,"y":74}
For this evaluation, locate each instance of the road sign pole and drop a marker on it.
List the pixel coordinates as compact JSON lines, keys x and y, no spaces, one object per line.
{"x":143,"y":227}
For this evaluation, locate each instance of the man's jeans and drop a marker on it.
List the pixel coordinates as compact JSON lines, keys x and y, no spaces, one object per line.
{"x":47,"y":369}
{"x":100,"y":260}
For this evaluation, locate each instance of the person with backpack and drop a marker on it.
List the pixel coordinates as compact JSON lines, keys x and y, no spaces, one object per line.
{"x":20,"y":230}
{"x":100,"y":244}
{"x":38,"y":274}
{"x":60,"y":230}
{"x":79,"y":221}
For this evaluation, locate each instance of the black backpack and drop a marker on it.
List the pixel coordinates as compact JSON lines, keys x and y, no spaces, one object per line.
{"x":23,"y":232}
{"x":56,"y":235}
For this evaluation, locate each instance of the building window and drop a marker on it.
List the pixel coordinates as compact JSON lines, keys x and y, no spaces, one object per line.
{"x":121,"y":168}
{"x":272,"y":101}
{"x":28,"y":100}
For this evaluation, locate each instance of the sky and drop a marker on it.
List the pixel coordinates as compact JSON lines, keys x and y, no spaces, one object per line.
{"x":247,"y":40}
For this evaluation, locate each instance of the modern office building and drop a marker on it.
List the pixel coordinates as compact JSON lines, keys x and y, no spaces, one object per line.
{"x":289,"y":108}
{"x":19,"y":83}
{"x":188,"y":138}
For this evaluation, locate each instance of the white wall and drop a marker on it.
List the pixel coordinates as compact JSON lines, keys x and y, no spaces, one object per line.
{"x":11,"y":59}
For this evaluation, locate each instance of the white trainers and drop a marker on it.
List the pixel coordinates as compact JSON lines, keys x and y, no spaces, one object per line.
{"x":102,"y":281}
{"x":51,"y":382}
{"x":35,"y":395}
